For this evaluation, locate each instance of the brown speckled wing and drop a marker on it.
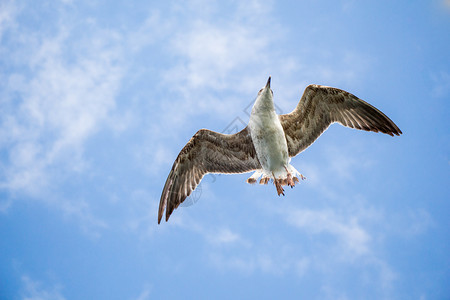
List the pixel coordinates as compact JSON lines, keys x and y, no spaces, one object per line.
{"x":321,"y":106}
{"x":206,"y":152}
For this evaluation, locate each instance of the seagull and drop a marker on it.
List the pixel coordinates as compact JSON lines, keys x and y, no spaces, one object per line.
{"x":269,"y":141}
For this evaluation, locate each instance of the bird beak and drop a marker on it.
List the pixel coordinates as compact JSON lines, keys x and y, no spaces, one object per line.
{"x":268,"y":83}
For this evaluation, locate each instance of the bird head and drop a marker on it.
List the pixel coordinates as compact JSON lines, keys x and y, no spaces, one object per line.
{"x":264,"y":100}
{"x":266,"y":90}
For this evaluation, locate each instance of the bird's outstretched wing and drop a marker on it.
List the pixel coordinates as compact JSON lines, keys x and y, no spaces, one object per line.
{"x":321,"y":106}
{"x":206,"y":152}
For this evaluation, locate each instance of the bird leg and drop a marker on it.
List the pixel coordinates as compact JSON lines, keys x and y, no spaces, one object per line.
{"x":295,"y":178}
{"x":290,"y":182}
{"x":278,"y":183}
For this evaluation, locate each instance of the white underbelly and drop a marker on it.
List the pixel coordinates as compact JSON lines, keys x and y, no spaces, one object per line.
{"x":270,"y":142}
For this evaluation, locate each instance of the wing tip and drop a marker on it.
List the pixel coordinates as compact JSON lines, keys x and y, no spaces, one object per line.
{"x":396,"y":131}
{"x":162,"y":205}
{"x":160,"y":214}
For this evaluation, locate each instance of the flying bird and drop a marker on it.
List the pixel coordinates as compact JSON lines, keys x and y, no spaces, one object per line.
{"x":268,"y":142}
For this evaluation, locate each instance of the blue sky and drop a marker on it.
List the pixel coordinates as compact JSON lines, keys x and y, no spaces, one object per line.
{"x":98,"y":97}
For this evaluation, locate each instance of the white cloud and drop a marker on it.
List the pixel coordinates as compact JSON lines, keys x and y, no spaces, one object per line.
{"x":259,"y":262}
{"x":70,"y":89}
{"x":8,"y":12}
{"x":34,"y":290}
{"x":60,"y":106}
{"x":153,"y":29}
{"x":262,"y":256}
{"x":56,"y":97}
{"x":224,"y":236}
{"x":212,"y":53}
{"x":226,"y":263}
{"x":154,"y":157}
{"x":387,"y":276}
{"x":348,"y":231}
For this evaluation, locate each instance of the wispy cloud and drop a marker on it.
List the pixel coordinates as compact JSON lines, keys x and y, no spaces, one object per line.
{"x":409,"y":223}
{"x":224,"y":236}
{"x":348,"y":232}
{"x":35,"y":290}
{"x":211,"y":53}
{"x":215,"y":54}
{"x":8,"y":12}
{"x":145,"y":293}
{"x":56,"y":97}
{"x":259,"y":261}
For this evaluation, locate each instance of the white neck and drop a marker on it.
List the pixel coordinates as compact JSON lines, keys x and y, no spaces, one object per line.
{"x":264,"y":103}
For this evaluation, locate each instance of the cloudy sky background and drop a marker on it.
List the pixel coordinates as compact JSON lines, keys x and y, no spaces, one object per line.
{"x":98,"y":97}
